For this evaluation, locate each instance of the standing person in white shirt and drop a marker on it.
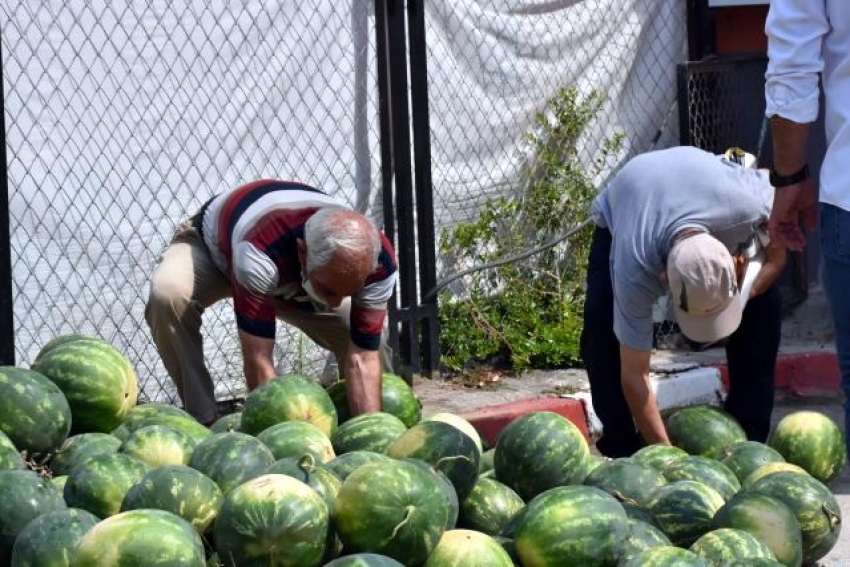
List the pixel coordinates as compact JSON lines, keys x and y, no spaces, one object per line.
{"x":809,"y":40}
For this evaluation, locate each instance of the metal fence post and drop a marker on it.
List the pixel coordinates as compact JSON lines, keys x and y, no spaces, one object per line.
{"x":7,"y":316}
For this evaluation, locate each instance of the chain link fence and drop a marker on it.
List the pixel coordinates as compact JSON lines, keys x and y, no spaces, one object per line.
{"x":123,"y":117}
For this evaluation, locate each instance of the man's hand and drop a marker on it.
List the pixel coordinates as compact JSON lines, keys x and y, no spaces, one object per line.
{"x":363,"y":380}
{"x":793,"y":205}
{"x":639,"y":395}
{"x":257,"y":360}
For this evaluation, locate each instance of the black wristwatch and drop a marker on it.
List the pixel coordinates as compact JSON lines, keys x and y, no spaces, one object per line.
{"x":785,"y":180}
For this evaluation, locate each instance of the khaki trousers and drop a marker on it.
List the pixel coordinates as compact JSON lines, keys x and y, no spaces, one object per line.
{"x":186,"y":282}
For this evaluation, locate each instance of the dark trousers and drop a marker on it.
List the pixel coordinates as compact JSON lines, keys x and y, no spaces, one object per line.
{"x":750,"y":352}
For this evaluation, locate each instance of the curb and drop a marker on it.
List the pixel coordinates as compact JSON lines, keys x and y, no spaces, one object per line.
{"x":800,"y":375}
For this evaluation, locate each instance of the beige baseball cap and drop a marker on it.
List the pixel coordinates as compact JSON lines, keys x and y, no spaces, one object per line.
{"x":704,"y":288}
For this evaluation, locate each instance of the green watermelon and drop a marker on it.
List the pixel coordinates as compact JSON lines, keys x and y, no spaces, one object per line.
{"x":724,"y":545}
{"x":272,"y":520}
{"x":78,"y":449}
{"x":684,"y":509}
{"x":100,"y":484}
{"x":486,"y":462}
{"x":296,"y":439}
{"x":364,"y":560}
{"x":468,"y":548}
{"x":34,"y":412}
{"x":813,"y":441}
{"x":23,"y":496}
{"x":343,"y":465}
{"x":626,"y":479}
{"x":50,"y":540}
{"x":703,"y":430}
{"x":61,"y":340}
{"x":159,"y":445}
{"x":658,"y":456}
{"x":10,"y":458}
{"x":760,"y":562}
{"x":231,"y":459}
{"x":769,"y":520}
{"x":59,"y":482}
{"x":227,"y":423}
{"x":539,"y":451}
{"x":180,"y":490}
{"x":641,"y":536}
{"x":592,"y":463}
{"x":368,"y":432}
{"x":707,"y":471}
{"x":489,"y":506}
{"x":639,"y":513}
{"x":140,"y":537}
{"x":813,"y":505}
{"x":570,"y":525}
{"x":162,"y":414}
{"x":288,"y":398}
{"x":315,"y":475}
{"x":459,"y":422}
{"x":769,"y":469}
{"x":445,"y":447}
{"x":394,"y":507}
{"x":97,"y":379}
{"x":397,"y":398}
{"x":665,"y":556}
{"x":744,"y":457}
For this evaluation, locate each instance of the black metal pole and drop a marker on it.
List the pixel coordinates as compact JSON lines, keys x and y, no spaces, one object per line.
{"x":7,"y":315}
{"x":700,"y":30}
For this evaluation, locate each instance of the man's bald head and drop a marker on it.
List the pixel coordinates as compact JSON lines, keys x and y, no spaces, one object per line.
{"x":342,"y":240}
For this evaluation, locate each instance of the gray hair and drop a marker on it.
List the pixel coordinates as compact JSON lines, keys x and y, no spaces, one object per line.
{"x":334,"y":230}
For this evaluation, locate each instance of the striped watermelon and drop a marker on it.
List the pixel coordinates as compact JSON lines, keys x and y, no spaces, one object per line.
{"x":658,"y":456}
{"x":162,"y":414}
{"x":159,"y":445}
{"x":665,"y":556}
{"x":486,"y":462}
{"x":34,"y":412}
{"x":641,"y":536}
{"x":97,"y":379}
{"x":813,"y":441}
{"x":61,"y":340}
{"x":345,"y":464}
{"x":489,"y":506}
{"x":272,"y":520}
{"x":459,"y":422}
{"x":446,"y":448}
{"x":368,"y":432}
{"x":10,"y":457}
{"x":315,"y":475}
{"x":703,"y":430}
{"x":813,"y":505}
{"x":397,"y":398}
{"x":684,"y":510}
{"x":707,"y":471}
{"x":140,"y":537}
{"x":769,"y":469}
{"x":288,"y":398}
{"x":364,"y":560}
{"x":180,"y":490}
{"x":23,"y":496}
{"x":100,"y":484}
{"x":296,"y":439}
{"x":227,"y":423}
{"x":50,"y":540}
{"x":760,"y":562}
{"x":79,"y":448}
{"x":539,"y":451}
{"x":231,"y":459}
{"x":768,"y":519}
{"x":570,"y":525}
{"x":396,"y":508}
{"x":626,"y":479}
{"x":744,"y":457}
{"x":468,"y":548}
{"x":724,"y":545}
{"x":58,"y":482}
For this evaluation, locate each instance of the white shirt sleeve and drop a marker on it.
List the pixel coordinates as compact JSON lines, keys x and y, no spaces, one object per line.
{"x":795,"y":31}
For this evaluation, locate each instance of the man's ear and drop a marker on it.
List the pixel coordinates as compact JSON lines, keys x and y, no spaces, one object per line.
{"x":302,"y":252}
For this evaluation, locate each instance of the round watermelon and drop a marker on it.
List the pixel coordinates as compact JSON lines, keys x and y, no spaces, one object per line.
{"x":489,"y":507}
{"x":459,"y":422}
{"x":539,"y":451}
{"x":448,"y":491}
{"x":395,"y":508}
{"x":769,"y":520}
{"x":61,"y":340}
{"x":813,"y":441}
{"x":813,"y":505}
{"x":641,"y":536}
{"x":23,"y":496}
{"x":315,"y":475}
{"x":59,"y":482}
{"x":570,"y":525}
{"x":374,"y":431}
{"x":703,"y":430}
{"x":50,"y":540}
{"x":343,"y":465}
{"x":658,"y":456}
{"x":100,"y":484}
{"x":10,"y":457}
{"x":626,"y":479}
{"x":684,"y":510}
{"x":227,"y":423}
{"x":468,"y":548}
{"x":231,"y":459}
{"x":180,"y":490}
{"x":744,"y":457}
{"x":296,"y":439}
{"x":97,"y":379}
{"x":162,"y":414}
{"x":665,"y":556}
{"x":79,"y":448}
{"x":34,"y":412}
{"x":140,"y":537}
{"x":159,"y":445}
{"x":707,"y":471}
{"x":288,"y":398}
{"x":486,"y":463}
{"x":272,"y":520}
{"x":724,"y":545}
{"x":445,"y":447}
{"x":364,"y":560}
{"x":769,"y":469}
{"x":760,"y":562}
{"x":397,"y":398}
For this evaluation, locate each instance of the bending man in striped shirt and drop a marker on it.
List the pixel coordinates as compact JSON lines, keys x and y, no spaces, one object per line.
{"x":281,"y":250}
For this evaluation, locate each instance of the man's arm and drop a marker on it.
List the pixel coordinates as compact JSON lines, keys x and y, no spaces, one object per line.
{"x":634,"y":375}
{"x":362,"y":373}
{"x":257,"y":360}
{"x":790,"y":141}
{"x":775,"y":257}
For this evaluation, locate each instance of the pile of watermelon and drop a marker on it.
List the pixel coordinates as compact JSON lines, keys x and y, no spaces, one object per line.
{"x":90,"y":477}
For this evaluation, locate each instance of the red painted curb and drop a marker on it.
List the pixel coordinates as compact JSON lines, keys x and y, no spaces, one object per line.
{"x":805,"y":374}
{"x":490,"y":421}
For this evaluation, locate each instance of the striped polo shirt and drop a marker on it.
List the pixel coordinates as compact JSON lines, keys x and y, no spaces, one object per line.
{"x":252,"y":233}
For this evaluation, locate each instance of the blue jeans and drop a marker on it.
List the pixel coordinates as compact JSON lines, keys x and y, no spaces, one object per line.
{"x":835,"y":243}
